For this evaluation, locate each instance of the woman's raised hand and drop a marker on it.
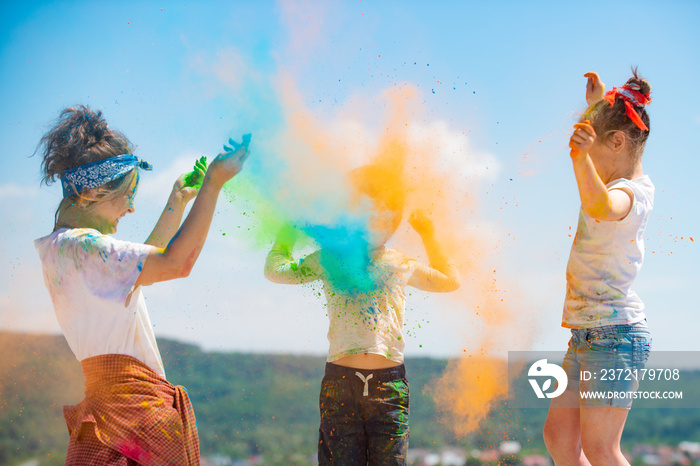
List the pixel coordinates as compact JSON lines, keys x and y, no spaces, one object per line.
{"x":182,"y":191}
{"x":229,"y":163}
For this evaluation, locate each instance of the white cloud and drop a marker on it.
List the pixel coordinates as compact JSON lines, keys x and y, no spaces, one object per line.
{"x":353,"y":137}
{"x":13,"y":190}
{"x":453,"y":150}
{"x":450,"y":147}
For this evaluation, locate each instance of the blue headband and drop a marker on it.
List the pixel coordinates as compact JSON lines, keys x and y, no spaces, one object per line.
{"x":79,"y":179}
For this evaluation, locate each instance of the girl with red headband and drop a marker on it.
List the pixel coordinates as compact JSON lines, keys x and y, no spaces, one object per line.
{"x":131,"y":414}
{"x":606,"y":318}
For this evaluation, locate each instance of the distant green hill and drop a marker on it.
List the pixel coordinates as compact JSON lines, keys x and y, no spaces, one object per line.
{"x":255,"y":404}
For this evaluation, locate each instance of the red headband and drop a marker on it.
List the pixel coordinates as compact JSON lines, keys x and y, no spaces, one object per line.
{"x":631,"y":95}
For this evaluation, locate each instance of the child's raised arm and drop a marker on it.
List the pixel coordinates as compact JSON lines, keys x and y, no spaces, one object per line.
{"x":595,"y":89}
{"x":280,"y":266}
{"x":178,"y":258}
{"x":598,"y":202}
{"x":442,"y":275}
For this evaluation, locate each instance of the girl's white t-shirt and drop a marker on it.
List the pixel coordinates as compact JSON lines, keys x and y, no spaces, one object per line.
{"x":605,"y":259}
{"x":90,"y":277}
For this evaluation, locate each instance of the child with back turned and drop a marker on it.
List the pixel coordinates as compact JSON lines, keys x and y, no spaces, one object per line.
{"x":131,"y":414}
{"x":364,"y":399}
{"x":606,"y":318}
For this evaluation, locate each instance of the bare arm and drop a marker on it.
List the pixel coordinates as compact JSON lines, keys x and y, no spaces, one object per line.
{"x":170,"y":219}
{"x":442,"y":275}
{"x":595,"y":89}
{"x":280,"y":267}
{"x":598,"y":202}
{"x":178,"y":258}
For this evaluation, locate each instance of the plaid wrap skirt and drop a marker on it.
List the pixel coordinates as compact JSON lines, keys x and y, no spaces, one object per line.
{"x":130,"y":415}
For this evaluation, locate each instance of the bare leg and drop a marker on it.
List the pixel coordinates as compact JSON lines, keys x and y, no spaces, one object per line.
{"x":562,"y":431}
{"x":601,"y":431}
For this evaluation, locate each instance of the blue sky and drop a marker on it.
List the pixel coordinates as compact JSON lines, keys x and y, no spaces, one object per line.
{"x":503,"y":81}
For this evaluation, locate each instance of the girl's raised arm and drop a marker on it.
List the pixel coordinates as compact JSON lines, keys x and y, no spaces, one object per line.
{"x":170,"y":219}
{"x":595,"y":89}
{"x":178,"y":258}
{"x":598,"y":202}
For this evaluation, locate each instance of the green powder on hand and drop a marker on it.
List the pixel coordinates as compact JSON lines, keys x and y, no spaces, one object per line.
{"x":195,"y":178}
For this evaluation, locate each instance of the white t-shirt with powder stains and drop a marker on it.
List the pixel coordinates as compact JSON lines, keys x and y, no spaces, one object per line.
{"x":90,"y":277}
{"x":605,"y":259}
{"x":371,"y":321}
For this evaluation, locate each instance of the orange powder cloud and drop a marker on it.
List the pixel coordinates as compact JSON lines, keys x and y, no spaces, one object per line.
{"x":417,"y":163}
{"x":407,"y":170}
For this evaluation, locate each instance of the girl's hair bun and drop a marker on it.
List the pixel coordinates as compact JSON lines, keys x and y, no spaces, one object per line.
{"x":607,"y":118}
{"x":644,"y":86}
{"x":91,"y":126}
{"x":79,"y":136}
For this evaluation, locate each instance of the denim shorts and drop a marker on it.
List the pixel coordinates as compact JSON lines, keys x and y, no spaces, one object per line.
{"x":364,"y":416}
{"x":603,"y":361}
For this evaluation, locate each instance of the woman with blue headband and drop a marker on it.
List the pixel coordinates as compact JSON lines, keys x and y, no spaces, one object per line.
{"x":131,"y":414}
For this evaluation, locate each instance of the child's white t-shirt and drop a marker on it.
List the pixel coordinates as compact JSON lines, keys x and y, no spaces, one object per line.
{"x":90,"y":277}
{"x":605,"y":259}
{"x":366,"y":322}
